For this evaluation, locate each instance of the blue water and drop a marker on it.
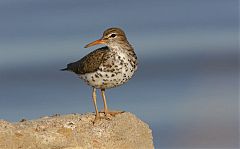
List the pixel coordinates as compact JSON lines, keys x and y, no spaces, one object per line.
{"x":187,"y":84}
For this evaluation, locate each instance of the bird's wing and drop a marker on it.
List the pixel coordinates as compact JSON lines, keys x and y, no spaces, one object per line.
{"x":88,"y":63}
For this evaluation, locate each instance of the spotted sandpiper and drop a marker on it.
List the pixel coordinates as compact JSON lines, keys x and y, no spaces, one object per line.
{"x":108,"y":66}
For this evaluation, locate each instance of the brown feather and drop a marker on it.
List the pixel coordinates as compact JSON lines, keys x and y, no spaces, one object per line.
{"x":89,"y":63}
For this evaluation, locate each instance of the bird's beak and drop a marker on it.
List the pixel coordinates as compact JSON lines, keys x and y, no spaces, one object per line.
{"x":99,"y":41}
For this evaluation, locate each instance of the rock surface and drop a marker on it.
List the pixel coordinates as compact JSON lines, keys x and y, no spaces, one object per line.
{"x":75,"y":131}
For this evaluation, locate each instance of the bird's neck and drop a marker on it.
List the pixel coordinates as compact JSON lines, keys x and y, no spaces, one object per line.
{"x":124,"y":47}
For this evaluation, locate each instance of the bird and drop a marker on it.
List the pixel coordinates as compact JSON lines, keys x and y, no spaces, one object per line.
{"x":107,"y":67}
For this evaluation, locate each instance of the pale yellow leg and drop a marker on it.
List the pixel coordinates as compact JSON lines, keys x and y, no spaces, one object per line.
{"x":94,"y":96}
{"x":104,"y":101}
{"x":105,"y":110}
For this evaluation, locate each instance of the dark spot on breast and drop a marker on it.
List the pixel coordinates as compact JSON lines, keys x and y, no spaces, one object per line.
{"x":96,"y":76}
{"x":112,"y":70}
{"x":113,"y":75}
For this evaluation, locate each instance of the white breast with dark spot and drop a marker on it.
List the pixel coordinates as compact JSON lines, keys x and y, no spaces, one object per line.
{"x":102,"y":78}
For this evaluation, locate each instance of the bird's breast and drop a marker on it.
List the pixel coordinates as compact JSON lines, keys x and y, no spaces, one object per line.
{"x":116,"y":69}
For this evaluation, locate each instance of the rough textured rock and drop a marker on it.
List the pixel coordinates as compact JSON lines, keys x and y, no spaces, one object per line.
{"x":75,"y":131}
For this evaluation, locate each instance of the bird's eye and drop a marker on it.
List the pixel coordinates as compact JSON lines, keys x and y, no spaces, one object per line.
{"x":113,"y":35}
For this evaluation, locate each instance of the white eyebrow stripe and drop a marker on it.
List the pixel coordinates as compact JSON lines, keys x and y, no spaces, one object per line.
{"x":111,"y":34}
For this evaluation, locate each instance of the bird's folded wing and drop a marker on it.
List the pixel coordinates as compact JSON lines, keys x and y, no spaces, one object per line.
{"x":89,"y":63}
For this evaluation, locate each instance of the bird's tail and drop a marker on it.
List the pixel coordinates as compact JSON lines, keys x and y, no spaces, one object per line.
{"x":64,"y":69}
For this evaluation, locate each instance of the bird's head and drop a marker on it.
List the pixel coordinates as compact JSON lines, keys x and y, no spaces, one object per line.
{"x":111,"y":37}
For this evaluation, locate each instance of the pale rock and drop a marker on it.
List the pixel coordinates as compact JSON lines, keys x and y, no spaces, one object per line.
{"x":75,"y":131}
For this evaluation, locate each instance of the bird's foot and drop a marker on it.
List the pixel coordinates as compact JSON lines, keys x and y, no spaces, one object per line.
{"x":96,"y":119}
{"x":112,"y":113}
{"x":107,"y":115}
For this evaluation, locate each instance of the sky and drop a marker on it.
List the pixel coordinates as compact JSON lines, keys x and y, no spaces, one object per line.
{"x":187,"y":83}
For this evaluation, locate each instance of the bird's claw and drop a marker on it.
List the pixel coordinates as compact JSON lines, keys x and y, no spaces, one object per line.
{"x":112,"y":113}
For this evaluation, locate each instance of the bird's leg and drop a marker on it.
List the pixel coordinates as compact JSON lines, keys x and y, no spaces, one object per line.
{"x":104,"y":101}
{"x":94,"y":96}
{"x":105,"y":110}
